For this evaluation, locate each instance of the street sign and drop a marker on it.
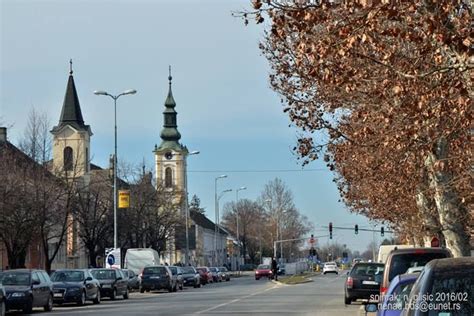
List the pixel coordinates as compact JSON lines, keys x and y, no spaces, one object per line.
{"x":434,"y":242}
{"x":112,"y":258}
{"x":124,"y":198}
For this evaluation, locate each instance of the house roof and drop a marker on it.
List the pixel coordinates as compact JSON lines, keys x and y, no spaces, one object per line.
{"x":201,"y":220}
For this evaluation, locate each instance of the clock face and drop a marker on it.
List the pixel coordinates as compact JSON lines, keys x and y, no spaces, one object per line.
{"x":169,"y":155}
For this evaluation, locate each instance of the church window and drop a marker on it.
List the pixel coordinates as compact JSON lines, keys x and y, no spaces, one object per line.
{"x":67,"y":158}
{"x":168,"y":177}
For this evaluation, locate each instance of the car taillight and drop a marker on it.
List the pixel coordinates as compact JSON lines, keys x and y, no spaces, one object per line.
{"x":383,"y":290}
{"x":256,"y":272}
{"x":349,"y":282}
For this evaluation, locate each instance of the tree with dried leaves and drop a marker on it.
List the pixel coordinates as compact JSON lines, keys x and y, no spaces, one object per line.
{"x":382,"y":89}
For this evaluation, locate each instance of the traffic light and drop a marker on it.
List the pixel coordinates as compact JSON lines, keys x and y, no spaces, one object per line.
{"x":330,"y":230}
{"x":382,"y":231}
{"x":356,"y":229}
{"x":312,"y":252}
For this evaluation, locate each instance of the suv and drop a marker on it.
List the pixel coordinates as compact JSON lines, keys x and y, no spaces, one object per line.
{"x":400,"y":260}
{"x":25,"y":289}
{"x":363,"y":281}
{"x":157,"y":278}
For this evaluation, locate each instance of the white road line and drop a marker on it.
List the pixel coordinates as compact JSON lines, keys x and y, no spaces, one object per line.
{"x":235,"y":300}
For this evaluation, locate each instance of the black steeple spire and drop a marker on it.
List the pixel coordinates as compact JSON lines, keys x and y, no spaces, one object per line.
{"x":71,"y":112}
{"x":170,"y":133}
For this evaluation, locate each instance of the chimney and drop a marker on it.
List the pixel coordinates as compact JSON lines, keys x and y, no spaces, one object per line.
{"x":3,"y":134}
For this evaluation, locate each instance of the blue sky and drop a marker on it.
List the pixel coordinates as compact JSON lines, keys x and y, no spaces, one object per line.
{"x":226,"y":109}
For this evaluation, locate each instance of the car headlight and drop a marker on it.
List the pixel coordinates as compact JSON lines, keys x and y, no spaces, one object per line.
{"x":18,"y":294}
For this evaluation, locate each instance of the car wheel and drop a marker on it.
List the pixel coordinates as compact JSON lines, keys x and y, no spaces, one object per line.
{"x":175,"y":289}
{"x":257,"y":279}
{"x":125,"y":295}
{"x":2,"y":308}
{"x":347,"y":300}
{"x":97,"y":297}
{"x":82,"y":299}
{"x":28,"y":307}
{"x":49,"y":304}
{"x":142,"y":290}
{"x":181,"y":287}
{"x":114,"y":295}
{"x":170,"y":289}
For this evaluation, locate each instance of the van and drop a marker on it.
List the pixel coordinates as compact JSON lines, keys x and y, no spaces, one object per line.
{"x":384,"y":250}
{"x":400,"y":260}
{"x":138,"y":258}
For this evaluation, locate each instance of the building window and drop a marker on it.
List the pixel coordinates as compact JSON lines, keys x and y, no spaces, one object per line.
{"x":168,"y":178}
{"x":67,"y":158}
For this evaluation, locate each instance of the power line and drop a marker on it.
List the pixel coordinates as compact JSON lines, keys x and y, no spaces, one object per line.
{"x":258,"y":170}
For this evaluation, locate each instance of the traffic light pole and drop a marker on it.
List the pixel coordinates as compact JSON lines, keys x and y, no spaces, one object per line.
{"x":295,"y":239}
{"x":360,"y":229}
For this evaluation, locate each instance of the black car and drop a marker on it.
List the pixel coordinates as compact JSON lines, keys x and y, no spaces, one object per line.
{"x":112,"y":283}
{"x":132,"y":279}
{"x":363,"y":281}
{"x":191,"y":277}
{"x":178,"y":273}
{"x":75,"y":286}
{"x":3,"y":303}
{"x":157,"y":278}
{"x":446,"y":284}
{"x":26,"y":289}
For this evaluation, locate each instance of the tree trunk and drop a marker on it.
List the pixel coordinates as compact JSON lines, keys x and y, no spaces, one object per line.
{"x":452,"y":214}
{"x":431,"y":223}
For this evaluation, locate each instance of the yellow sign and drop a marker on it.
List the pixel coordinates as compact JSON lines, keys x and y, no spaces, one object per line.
{"x":124,"y":199}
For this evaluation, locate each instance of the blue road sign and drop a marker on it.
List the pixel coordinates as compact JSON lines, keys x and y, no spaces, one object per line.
{"x":111,"y":259}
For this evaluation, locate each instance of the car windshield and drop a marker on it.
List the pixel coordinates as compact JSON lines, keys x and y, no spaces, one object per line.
{"x":155,"y":270}
{"x":402,"y":262}
{"x":16,"y":278}
{"x":263,"y":267}
{"x":222,"y":269}
{"x":174,"y":270}
{"x":67,"y":276}
{"x":125,"y":273}
{"x":368,"y":269}
{"x":213,"y":269}
{"x":454,"y":286}
{"x":103,"y":274}
{"x":189,"y":270}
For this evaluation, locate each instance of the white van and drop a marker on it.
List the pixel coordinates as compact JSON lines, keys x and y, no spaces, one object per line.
{"x":138,"y":258}
{"x":384,"y":250}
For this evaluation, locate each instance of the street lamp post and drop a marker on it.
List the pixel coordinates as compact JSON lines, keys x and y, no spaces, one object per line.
{"x":186,"y":260}
{"x":237,"y":220}
{"x":115,"y":97}
{"x":218,"y":216}
{"x":216,"y":209}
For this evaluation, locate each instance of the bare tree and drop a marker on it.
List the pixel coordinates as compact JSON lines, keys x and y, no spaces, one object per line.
{"x":36,"y":140}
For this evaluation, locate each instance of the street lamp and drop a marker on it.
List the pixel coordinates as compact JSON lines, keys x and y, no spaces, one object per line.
{"x":186,"y":260}
{"x":115,"y":97}
{"x":218,"y":216}
{"x":237,"y":219}
{"x":216,"y":210}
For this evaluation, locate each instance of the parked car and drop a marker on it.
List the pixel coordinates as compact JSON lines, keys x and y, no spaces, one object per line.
{"x":138,"y":258}
{"x":157,"y":278}
{"x":3,"y":298}
{"x":263,"y":271}
{"x":112,"y":283}
{"x":330,"y":267}
{"x":178,"y":274}
{"x":397,"y":295}
{"x":26,"y":289}
{"x":225,"y":273}
{"x":191,"y":277}
{"x":281,"y":269}
{"x":363,"y":281}
{"x":75,"y":286}
{"x":444,"y":283}
{"x":132,"y":279}
{"x":206,"y":275}
{"x":400,"y":260}
{"x":216,"y":275}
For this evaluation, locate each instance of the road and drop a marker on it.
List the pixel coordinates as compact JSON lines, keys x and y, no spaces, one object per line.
{"x":240,"y":296}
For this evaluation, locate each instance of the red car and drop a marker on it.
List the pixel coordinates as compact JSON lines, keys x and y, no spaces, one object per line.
{"x":263,"y":271}
{"x":205,"y":274}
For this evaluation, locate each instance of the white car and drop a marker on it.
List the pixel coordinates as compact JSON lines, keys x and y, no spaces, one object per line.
{"x":330,"y":267}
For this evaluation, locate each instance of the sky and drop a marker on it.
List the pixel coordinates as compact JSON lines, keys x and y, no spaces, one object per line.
{"x":226,"y":108}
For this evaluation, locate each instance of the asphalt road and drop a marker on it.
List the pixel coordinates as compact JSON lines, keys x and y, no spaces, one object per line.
{"x":240,"y":296}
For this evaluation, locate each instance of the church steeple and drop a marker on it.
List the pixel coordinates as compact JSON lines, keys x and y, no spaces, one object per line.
{"x":169,"y":134}
{"x":71,"y":111}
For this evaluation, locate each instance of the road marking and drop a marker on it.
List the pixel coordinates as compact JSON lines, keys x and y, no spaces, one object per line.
{"x":235,"y":300}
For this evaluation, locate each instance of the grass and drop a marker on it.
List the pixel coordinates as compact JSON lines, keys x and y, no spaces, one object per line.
{"x":296,"y":279}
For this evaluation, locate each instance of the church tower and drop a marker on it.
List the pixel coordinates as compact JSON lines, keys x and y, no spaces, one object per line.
{"x":71,"y":138}
{"x":170,"y":156}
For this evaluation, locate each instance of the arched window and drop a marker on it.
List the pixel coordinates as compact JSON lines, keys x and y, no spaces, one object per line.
{"x":67,"y":158}
{"x":168,"y":178}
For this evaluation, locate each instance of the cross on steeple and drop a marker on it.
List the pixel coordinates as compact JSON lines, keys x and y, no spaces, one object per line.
{"x":169,"y":76}
{"x":70,"y":66}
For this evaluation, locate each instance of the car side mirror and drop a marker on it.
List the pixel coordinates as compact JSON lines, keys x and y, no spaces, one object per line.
{"x":36,"y":282}
{"x":180,"y":274}
{"x":131,"y":277}
{"x":370,"y":308}
{"x":347,"y":273}
{"x":119,"y":278}
{"x":88,"y":279}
